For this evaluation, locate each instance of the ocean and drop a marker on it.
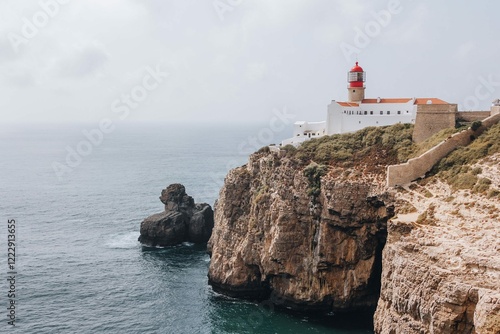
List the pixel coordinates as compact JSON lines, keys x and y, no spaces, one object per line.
{"x":78,"y":265}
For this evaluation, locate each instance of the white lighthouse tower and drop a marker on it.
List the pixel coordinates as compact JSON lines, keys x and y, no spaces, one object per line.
{"x":356,"y":78}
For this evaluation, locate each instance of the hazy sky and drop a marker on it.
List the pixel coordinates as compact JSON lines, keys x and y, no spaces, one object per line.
{"x":237,"y":60}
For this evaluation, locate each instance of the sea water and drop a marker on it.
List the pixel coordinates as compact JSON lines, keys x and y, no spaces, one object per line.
{"x":79,"y":267}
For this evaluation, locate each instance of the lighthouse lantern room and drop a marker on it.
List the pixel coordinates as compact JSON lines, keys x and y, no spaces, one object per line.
{"x":356,"y":78}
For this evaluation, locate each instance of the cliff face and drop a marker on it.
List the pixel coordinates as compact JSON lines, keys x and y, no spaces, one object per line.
{"x":441,"y":272}
{"x":311,"y":238}
{"x":274,"y":238}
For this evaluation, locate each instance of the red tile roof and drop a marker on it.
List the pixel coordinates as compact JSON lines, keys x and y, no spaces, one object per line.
{"x":400,"y":100}
{"x":386,"y":100}
{"x":348,"y":104}
{"x":433,"y":99}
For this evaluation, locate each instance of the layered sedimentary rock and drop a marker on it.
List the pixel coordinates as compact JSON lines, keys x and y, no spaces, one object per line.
{"x":441,"y":263}
{"x":308,"y":244}
{"x":316,"y":243}
{"x":182,"y":220}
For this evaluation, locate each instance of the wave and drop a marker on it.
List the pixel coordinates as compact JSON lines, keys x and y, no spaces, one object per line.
{"x":125,"y":240}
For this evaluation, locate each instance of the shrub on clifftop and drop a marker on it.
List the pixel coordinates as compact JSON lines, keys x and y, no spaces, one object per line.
{"x":372,"y":145}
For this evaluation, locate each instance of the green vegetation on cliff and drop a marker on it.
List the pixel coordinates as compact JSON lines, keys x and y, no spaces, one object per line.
{"x":456,"y":167}
{"x":314,"y":172}
{"x":487,"y":144}
{"x":374,"y":148}
{"x":372,"y":145}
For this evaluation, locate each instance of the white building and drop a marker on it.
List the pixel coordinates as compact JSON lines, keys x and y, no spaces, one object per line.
{"x":358,"y":112}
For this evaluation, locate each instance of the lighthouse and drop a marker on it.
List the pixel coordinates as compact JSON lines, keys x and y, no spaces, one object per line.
{"x":356,"y":89}
{"x":359,"y":112}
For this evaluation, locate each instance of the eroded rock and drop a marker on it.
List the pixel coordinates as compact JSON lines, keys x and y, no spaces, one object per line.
{"x":273,"y":240}
{"x":182,"y":220}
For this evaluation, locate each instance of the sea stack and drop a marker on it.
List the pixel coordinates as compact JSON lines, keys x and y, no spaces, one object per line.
{"x":182,"y":220}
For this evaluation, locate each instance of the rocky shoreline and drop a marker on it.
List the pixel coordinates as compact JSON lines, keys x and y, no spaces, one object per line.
{"x":423,"y":258}
{"x":357,"y":245}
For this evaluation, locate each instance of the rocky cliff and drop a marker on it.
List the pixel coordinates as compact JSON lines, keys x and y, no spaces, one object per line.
{"x":441,"y":263}
{"x":332,"y":237}
{"x":305,"y":240}
{"x":182,"y":220}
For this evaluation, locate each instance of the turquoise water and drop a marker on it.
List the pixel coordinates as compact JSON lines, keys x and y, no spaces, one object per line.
{"x":80,"y":267}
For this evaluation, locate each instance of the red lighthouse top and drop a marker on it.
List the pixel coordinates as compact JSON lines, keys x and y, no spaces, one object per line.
{"x":357,"y":68}
{"x":356,"y":76}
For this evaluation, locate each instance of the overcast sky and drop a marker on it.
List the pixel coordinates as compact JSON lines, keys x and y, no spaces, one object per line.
{"x":237,"y":60}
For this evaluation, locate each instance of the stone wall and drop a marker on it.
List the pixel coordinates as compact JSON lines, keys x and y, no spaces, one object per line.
{"x":471,"y":116}
{"x":432,"y":118}
{"x":417,"y":167}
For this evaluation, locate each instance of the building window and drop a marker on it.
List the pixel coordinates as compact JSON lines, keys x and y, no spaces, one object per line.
{"x":366,"y":112}
{"x":388,"y":112}
{"x":406,"y":111}
{"x":359,"y":122}
{"x":381,"y":112}
{"x":371,"y":112}
{"x":399,"y":112}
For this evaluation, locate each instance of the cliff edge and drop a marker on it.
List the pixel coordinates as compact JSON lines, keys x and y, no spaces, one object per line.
{"x":316,"y":228}
{"x":308,"y":236}
{"x":441,"y":262}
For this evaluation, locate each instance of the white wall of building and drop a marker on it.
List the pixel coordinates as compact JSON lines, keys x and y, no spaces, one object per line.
{"x":342,"y":119}
{"x":345,"y":117}
{"x":303,"y":131}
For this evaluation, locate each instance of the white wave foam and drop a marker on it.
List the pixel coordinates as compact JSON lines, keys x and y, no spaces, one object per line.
{"x":123,"y":240}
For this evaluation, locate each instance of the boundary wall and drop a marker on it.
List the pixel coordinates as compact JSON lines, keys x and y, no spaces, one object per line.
{"x":418,"y":167}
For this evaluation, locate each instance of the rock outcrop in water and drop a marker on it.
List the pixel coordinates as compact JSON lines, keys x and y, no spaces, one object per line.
{"x":182,"y":220}
{"x":274,"y":239}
